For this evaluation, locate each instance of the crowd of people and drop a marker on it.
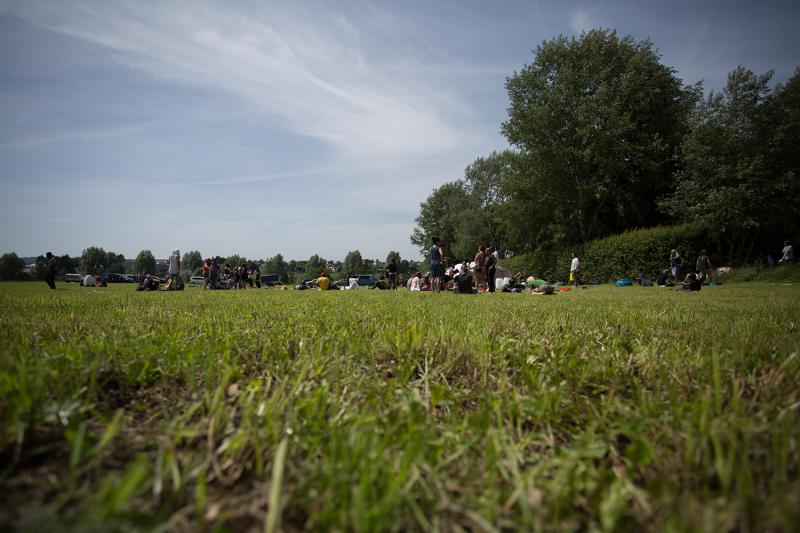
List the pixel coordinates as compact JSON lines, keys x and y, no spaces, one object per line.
{"x":466,"y":277}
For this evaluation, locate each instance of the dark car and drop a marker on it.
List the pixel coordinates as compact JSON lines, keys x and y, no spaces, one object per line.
{"x":117,"y":278}
{"x":367,"y":280}
{"x":270,"y":280}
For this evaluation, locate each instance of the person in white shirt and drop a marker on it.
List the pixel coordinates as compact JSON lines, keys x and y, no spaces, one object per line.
{"x":573,"y":270}
{"x":174,"y":267}
{"x":88,"y":281}
{"x":788,"y":253}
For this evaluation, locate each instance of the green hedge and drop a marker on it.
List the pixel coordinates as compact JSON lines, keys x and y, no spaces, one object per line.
{"x":626,"y":255}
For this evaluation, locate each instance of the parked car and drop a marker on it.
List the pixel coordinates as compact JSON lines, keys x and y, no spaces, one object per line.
{"x":117,"y":278}
{"x":270,"y":280}
{"x":196,"y":281}
{"x":367,"y":280}
{"x":73,"y":278}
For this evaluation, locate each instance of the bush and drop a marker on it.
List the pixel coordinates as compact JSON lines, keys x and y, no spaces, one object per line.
{"x":640,"y":251}
{"x":778,"y":274}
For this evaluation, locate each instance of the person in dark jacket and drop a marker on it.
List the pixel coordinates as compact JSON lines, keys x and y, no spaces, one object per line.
{"x":490,"y":267}
{"x":50,"y":274}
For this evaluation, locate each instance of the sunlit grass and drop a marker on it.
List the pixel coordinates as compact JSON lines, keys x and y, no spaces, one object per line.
{"x":604,"y":408}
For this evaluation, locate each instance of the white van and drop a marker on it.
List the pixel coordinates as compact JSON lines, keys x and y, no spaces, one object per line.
{"x":73,"y":278}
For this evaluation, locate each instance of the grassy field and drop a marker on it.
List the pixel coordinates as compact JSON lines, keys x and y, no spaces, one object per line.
{"x":604,"y":409}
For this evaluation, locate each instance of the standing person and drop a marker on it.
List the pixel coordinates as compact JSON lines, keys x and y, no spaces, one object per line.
{"x":437,"y":268}
{"x":174,"y":268}
{"x":50,"y":275}
{"x":788,"y":253}
{"x":480,"y":271}
{"x":675,"y":265}
{"x":206,"y":273}
{"x":574,"y":267}
{"x":235,"y":274}
{"x":392,"y":274}
{"x":491,"y":267}
{"x":703,"y":266}
{"x":214,"y":275}
{"x":98,"y":272}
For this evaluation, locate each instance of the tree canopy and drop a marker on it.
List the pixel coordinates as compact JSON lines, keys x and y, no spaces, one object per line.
{"x":192,"y":262}
{"x":144,"y":262}
{"x":607,"y":138}
{"x":353,"y":263}
{"x":740,"y":162}
{"x":94,"y":258}
{"x":11,"y":266}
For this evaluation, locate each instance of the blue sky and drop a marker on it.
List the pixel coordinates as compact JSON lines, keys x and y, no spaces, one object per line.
{"x":291,"y":127}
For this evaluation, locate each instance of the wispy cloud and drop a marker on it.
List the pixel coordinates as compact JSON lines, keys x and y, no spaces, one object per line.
{"x":72,"y":136}
{"x":311,"y":69}
{"x":580,"y":20}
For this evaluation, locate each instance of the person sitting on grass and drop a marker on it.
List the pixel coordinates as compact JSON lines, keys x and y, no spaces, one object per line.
{"x":663,"y":279}
{"x":149,"y":283}
{"x":691,"y":283}
{"x":427,"y":283}
{"x":416,"y":282}
{"x":462,"y":284}
{"x":323,"y":282}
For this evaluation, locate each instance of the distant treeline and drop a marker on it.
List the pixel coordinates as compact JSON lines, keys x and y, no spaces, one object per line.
{"x":607,"y":139}
{"x":95,"y":260}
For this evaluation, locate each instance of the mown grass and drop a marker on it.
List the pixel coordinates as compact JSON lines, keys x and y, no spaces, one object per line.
{"x":606,"y":409}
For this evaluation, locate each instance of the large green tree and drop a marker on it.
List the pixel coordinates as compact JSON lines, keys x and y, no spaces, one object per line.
{"x":93,"y":257}
{"x":597,"y":120}
{"x":440,"y":216}
{"x":353,"y":263}
{"x":115,"y":262}
{"x":277,"y":265}
{"x":468,"y":212}
{"x":144,"y":262}
{"x":235,"y":260}
{"x":11,"y":266}
{"x":192,"y":262}
{"x":315,"y":265}
{"x":741,"y":164}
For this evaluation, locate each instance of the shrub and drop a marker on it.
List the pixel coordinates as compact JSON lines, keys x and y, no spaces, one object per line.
{"x":641,"y":251}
